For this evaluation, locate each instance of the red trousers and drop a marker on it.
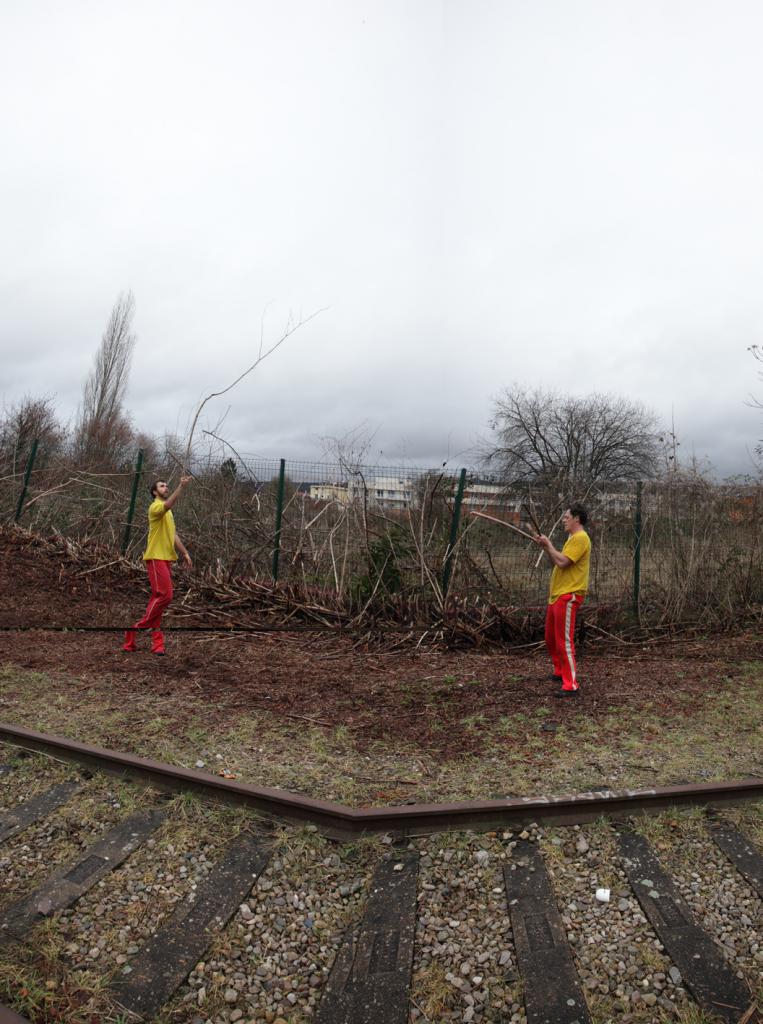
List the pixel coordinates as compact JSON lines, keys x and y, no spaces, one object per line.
{"x":160,"y":578}
{"x":560,"y":637}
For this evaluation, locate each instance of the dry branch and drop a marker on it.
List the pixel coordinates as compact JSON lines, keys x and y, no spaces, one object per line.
{"x":502,"y":522}
{"x":291,"y":328}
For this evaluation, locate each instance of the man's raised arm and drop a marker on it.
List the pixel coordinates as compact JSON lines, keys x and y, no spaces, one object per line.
{"x":184,"y":481}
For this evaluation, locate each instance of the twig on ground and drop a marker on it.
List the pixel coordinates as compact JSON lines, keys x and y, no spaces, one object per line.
{"x":301,"y":718}
{"x":97,"y":568}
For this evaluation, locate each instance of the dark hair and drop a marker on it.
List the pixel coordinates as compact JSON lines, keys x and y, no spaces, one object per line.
{"x":152,"y":488}
{"x":580,"y":513}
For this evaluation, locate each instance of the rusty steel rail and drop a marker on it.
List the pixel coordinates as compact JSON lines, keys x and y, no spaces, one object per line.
{"x":342,"y":822}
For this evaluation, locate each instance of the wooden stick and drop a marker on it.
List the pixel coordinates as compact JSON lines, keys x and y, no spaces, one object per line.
{"x":550,"y":532}
{"x":531,"y":513}
{"x":502,"y":522}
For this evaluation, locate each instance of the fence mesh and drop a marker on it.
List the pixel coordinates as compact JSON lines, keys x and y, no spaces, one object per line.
{"x":365,"y":534}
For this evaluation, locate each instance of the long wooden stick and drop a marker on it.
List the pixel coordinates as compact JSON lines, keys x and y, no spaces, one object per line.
{"x":531,"y":512}
{"x":502,"y":522}
{"x":550,"y":532}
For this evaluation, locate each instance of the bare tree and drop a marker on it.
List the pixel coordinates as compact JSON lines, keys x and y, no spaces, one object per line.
{"x":28,"y":420}
{"x":103,"y":432}
{"x":549,"y":437}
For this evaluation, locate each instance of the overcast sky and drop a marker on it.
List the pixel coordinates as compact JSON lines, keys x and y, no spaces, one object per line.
{"x":565,"y":194}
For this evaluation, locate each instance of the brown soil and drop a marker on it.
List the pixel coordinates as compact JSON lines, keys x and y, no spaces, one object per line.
{"x":427,"y":697}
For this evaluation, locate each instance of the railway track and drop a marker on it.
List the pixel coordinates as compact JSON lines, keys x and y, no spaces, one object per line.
{"x":122,"y":902}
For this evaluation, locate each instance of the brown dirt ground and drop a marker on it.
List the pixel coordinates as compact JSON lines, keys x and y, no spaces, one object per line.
{"x":427,"y":697}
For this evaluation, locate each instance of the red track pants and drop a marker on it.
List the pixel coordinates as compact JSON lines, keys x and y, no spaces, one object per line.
{"x":160,"y":578}
{"x":560,"y":637}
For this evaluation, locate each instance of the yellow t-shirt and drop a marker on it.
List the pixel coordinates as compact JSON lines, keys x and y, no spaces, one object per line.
{"x":161,"y":533}
{"x":573,"y":579}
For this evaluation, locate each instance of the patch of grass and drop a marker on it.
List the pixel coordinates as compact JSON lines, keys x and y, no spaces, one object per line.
{"x":665,"y":829}
{"x":690,"y":1015}
{"x":341,"y":736}
{"x":748,"y":818}
{"x":472,"y":721}
{"x":608,"y":1009}
{"x":653,"y":959}
{"x":719,"y":735}
{"x":187,"y":812}
{"x":34,"y":983}
{"x":553,"y":853}
{"x":432,"y":993}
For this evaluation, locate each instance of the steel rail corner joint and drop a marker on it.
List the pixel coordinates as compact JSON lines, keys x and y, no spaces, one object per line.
{"x":342,"y":822}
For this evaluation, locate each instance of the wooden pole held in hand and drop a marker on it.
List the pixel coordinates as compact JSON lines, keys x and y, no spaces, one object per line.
{"x":502,"y":522}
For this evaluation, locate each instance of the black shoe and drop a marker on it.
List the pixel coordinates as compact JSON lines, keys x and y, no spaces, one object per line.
{"x":564,"y":694}
{"x":159,"y":654}
{"x":554,"y":679}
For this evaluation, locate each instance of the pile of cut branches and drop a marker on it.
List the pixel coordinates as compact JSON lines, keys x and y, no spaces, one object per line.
{"x":412,"y":618}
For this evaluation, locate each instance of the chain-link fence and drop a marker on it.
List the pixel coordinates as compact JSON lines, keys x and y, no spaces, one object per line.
{"x":360,"y":536}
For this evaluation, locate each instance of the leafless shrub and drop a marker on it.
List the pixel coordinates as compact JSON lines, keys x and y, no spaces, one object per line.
{"x":701,"y":551}
{"x":31,"y":419}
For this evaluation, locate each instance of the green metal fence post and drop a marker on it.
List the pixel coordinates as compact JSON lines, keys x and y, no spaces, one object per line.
{"x":279,"y":514}
{"x":637,"y":550}
{"x":133,"y":496}
{"x":454,"y":524}
{"x":27,"y":474}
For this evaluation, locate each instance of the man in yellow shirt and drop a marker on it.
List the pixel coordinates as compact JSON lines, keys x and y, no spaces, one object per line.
{"x":160,"y":553}
{"x":569,"y":583}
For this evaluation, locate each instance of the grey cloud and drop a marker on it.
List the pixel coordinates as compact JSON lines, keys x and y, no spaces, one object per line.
{"x":559,"y":194}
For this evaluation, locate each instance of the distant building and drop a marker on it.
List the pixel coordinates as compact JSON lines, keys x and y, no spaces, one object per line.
{"x":391,"y":492}
{"x":330,"y":492}
{"x":613,"y":503}
{"x":491,"y":497}
{"x":386,"y":492}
